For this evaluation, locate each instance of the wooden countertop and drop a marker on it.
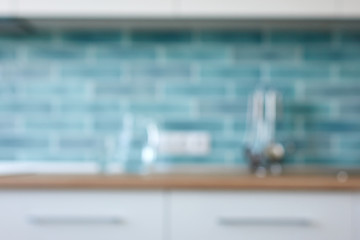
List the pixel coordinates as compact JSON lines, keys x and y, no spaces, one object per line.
{"x":178,"y":182}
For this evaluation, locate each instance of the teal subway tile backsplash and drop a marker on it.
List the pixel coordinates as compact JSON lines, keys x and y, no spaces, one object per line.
{"x":93,"y":37}
{"x":56,"y":53}
{"x":28,"y":72}
{"x":221,"y":72}
{"x":14,"y":106}
{"x":160,"y":37}
{"x":15,"y":142}
{"x":160,"y":71}
{"x":351,"y":72}
{"x":217,"y":54}
{"x":301,"y":37}
{"x":300,"y":71}
{"x":256,"y":54}
{"x":345,"y":54}
{"x":63,"y":92}
{"x":233,"y":37}
{"x":7,"y":54}
{"x":125,"y":54}
{"x":350,"y":37}
{"x":90,"y":72}
{"x":182,"y":90}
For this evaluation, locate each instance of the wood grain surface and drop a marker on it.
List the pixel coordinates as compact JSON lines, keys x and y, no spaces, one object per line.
{"x":178,"y":182}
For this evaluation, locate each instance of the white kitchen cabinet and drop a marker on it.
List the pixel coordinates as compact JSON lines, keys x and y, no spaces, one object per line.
{"x":6,"y":8}
{"x":222,"y":9}
{"x":95,"y":8}
{"x":260,"y":215}
{"x":74,"y":215}
{"x":257,"y":8}
{"x":350,"y":8}
{"x":356,"y":216}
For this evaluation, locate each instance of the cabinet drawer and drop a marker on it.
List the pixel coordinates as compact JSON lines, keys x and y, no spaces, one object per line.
{"x":74,"y":215}
{"x":258,"y":216}
{"x":356,"y":216}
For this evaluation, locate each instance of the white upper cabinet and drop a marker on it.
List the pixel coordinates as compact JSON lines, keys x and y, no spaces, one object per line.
{"x":258,"y":8}
{"x":350,"y":8}
{"x":215,"y":9}
{"x":95,"y":8}
{"x":6,"y":8}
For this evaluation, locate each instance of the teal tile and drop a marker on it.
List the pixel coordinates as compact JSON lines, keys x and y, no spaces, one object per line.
{"x":121,"y":90}
{"x":239,"y":125}
{"x":301,"y":37}
{"x":57,"y":53}
{"x":220,"y":107}
{"x":189,"y":125}
{"x":283,"y":87}
{"x":232,"y":36}
{"x":266,"y":54}
{"x":80,"y":143}
{"x":330,"y":126}
{"x":107,"y":125}
{"x":94,"y":37}
{"x":46,"y":156}
{"x":160,"y":72}
{"x":197,"y":54}
{"x":164,"y":107}
{"x":346,"y":142}
{"x":334,"y":90}
{"x":350,"y":37}
{"x":229,"y":144}
{"x":127,"y":54}
{"x":91,"y":72}
{"x":7,"y":124}
{"x":60,"y":125}
{"x":230,"y":72}
{"x":94,"y":107}
{"x":303,"y":72}
{"x":25,"y":106}
{"x":8,"y":90}
{"x":307,"y":108}
{"x":349,"y":72}
{"x":7,"y":54}
{"x":350,"y":107}
{"x":7,"y":156}
{"x":329,"y":54}
{"x":53,"y":89}
{"x":26,"y":72}
{"x":23,"y":142}
{"x":26,"y":38}
{"x":332,"y":160}
{"x":195,"y":90}
{"x":160,"y":36}
{"x":192,"y":159}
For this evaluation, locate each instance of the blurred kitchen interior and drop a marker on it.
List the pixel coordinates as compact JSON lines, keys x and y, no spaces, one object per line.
{"x":180,"y":119}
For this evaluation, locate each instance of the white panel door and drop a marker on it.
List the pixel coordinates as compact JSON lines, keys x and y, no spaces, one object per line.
{"x":6,"y":8}
{"x":81,"y":215}
{"x":258,"y":8}
{"x":350,"y":8}
{"x":260,"y":215}
{"x":94,"y":8}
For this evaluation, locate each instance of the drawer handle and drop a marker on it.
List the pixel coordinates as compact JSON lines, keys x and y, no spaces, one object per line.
{"x":275,"y":222}
{"x":74,"y":219}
